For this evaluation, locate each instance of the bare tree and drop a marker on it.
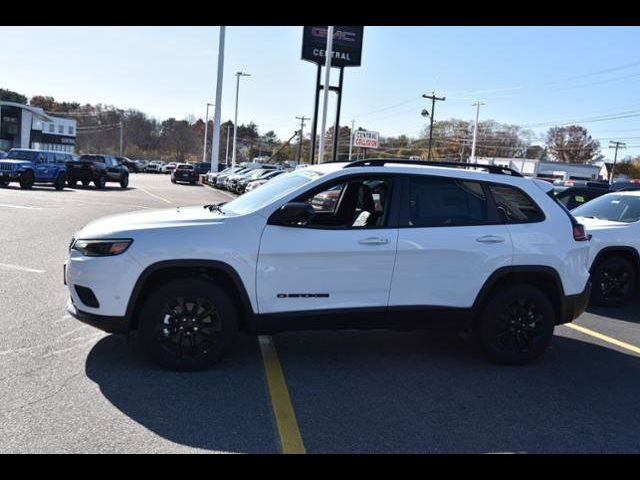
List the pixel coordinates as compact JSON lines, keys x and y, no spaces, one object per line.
{"x":572,"y":144}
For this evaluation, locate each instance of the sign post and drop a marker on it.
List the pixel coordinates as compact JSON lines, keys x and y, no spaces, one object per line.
{"x":346,"y":52}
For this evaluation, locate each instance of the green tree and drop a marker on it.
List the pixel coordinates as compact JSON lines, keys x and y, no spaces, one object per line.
{"x":11,"y":96}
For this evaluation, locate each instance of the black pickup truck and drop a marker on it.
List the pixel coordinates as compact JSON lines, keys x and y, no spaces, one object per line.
{"x":98,"y":169}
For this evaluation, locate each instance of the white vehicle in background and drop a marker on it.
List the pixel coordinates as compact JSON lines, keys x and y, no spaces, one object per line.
{"x":169,"y":167}
{"x":155,"y":166}
{"x":613,"y":220}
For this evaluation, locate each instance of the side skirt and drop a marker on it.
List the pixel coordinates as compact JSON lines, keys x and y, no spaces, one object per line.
{"x":394,"y":318}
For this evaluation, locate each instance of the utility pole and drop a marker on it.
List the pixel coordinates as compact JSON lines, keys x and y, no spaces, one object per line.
{"x":327,"y":78}
{"x":121,"y":133}
{"x":226,"y":158}
{"x":615,"y":145}
{"x":215,"y":144}
{"x":353,"y":122}
{"x":302,"y":120}
{"x":206,"y":127}
{"x":235,"y":121}
{"x":433,"y":99}
{"x":475,"y":132}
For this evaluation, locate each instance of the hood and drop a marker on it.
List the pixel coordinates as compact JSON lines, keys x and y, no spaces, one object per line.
{"x":601,"y":224}
{"x":114,"y":225}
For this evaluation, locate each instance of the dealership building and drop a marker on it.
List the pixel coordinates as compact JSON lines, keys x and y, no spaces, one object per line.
{"x":23,"y":126}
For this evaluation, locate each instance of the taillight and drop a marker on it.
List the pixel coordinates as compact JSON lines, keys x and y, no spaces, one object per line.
{"x":579,"y":233}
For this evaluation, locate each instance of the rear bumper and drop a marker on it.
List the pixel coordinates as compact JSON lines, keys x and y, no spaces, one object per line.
{"x":106,"y":324}
{"x":574,"y":305}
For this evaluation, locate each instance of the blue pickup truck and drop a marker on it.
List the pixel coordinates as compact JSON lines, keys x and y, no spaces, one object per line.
{"x":28,"y":167}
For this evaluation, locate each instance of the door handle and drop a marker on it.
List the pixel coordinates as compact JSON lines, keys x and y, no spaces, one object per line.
{"x":490,"y":239}
{"x":373,"y":241}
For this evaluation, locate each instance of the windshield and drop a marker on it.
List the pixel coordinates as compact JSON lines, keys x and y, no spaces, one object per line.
{"x":616,"y":208}
{"x":22,"y":155}
{"x":270,"y":192}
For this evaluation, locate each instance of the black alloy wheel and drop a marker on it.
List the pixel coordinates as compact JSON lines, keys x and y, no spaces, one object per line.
{"x":614,"y":282}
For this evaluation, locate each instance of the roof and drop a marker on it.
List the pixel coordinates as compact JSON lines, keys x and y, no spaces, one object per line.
{"x":35,"y":110}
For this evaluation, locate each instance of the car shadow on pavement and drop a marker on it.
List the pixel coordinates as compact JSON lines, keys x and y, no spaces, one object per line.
{"x":223,"y":409}
{"x":433,"y":392}
{"x":36,"y":188}
{"x":628,"y":313}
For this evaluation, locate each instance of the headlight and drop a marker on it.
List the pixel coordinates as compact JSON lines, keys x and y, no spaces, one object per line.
{"x":101,"y":248}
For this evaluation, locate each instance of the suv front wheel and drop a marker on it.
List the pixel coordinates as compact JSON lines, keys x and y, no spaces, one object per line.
{"x":27,"y":179}
{"x":516,"y":326}
{"x":187,"y":324}
{"x":614,"y":282}
{"x":60,"y":182}
{"x":124,"y":181}
{"x":100,"y":182}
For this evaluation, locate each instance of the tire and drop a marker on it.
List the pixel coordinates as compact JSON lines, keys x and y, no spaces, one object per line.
{"x":614,"y":282}
{"x":4,"y":184}
{"x":124,"y":181}
{"x":86,"y":183}
{"x":27,"y":180}
{"x":160,"y":329}
{"x":61,"y":181}
{"x":503,"y":331}
{"x":72,"y":182}
{"x":192,"y":182}
{"x":100,"y":182}
{"x":173,"y":180}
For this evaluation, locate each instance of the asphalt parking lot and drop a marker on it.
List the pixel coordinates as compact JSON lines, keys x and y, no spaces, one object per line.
{"x":66,"y":387}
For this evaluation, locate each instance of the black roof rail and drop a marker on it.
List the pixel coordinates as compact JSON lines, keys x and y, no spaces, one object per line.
{"x":379,"y":162}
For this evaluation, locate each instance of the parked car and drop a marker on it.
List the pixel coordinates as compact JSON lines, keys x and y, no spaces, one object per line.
{"x":131,"y":165}
{"x":98,"y":169}
{"x":168,"y":168}
{"x":241,"y":183}
{"x":253,"y":184}
{"x":155,"y":166}
{"x":202,"y":168}
{"x":573,"y":197}
{"x":28,"y":167}
{"x":232,"y":180}
{"x":613,"y":220}
{"x":449,"y":246}
{"x":142,"y":165}
{"x":184,"y":172}
{"x":222,"y":177}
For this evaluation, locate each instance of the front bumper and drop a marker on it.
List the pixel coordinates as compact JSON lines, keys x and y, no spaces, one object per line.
{"x":7,"y":176}
{"x":104,"y":323}
{"x":574,"y":305}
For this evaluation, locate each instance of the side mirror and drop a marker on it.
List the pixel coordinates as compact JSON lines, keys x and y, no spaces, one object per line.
{"x":295,"y":213}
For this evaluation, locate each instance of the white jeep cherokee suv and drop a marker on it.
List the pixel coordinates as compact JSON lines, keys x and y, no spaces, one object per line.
{"x":613,"y":220}
{"x":402,"y":245}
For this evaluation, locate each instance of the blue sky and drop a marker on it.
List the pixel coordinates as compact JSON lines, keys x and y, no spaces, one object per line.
{"x":536,"y":76}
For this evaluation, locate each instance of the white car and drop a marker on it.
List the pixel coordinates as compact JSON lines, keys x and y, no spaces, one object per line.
{"x":613,"y":220}
{"x":169,"y":167}
{"x":405,"y":245}
{"x":154,"y":166}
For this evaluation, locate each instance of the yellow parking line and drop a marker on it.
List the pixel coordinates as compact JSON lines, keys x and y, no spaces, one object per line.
{"x":604,"y":338}
{"x":288,"y":431}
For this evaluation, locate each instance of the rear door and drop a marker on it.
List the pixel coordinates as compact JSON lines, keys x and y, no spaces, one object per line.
{"x":450,"y":241}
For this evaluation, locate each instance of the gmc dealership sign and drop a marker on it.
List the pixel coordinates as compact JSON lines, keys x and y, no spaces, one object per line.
{"x":347,"y":45}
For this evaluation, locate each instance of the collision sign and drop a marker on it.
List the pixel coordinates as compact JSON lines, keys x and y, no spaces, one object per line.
{"x":365,"y":139}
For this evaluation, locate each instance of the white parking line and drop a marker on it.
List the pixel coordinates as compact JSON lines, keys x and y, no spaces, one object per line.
{"x":21,"y":269}
{"x":154,"y":195}
{"x":19,"y":206}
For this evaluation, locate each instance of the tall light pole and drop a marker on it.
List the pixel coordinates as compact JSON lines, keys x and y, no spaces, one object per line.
{"x":353,"y":122}
{"x":615,"y":145}
{"x":226,"y":158}
{"x":235,"y":121}
{"x":475,"y":132}
{"x":206,"y":127}
{"x":215,"y":143}
{"x":327,"y":79}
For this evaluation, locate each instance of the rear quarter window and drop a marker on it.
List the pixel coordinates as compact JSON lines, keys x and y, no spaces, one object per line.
{"x":514,"y":205}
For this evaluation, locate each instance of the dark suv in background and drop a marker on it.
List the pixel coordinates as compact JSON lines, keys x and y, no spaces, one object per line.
{"x":98,"y":169}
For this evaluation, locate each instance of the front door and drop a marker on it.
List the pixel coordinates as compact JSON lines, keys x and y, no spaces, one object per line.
{"x":343,"y":258}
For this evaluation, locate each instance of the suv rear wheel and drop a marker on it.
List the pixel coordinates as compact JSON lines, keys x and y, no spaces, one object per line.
{"x":72,"y":182}
{"x":516,"y":326}
{"x":187,"y":324}
{"x":100,"y":182}
{"x":124,"y":181}
{"x":61,"y":180}
{"x":3,"y":183}
{"x":27,"y":179}
{"x":614,"y":282}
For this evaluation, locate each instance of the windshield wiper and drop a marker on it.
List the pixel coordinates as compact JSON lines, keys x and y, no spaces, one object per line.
{"x":215,"y":206}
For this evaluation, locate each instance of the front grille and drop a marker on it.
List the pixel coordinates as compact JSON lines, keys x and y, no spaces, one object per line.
{"x":6,"y":167}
